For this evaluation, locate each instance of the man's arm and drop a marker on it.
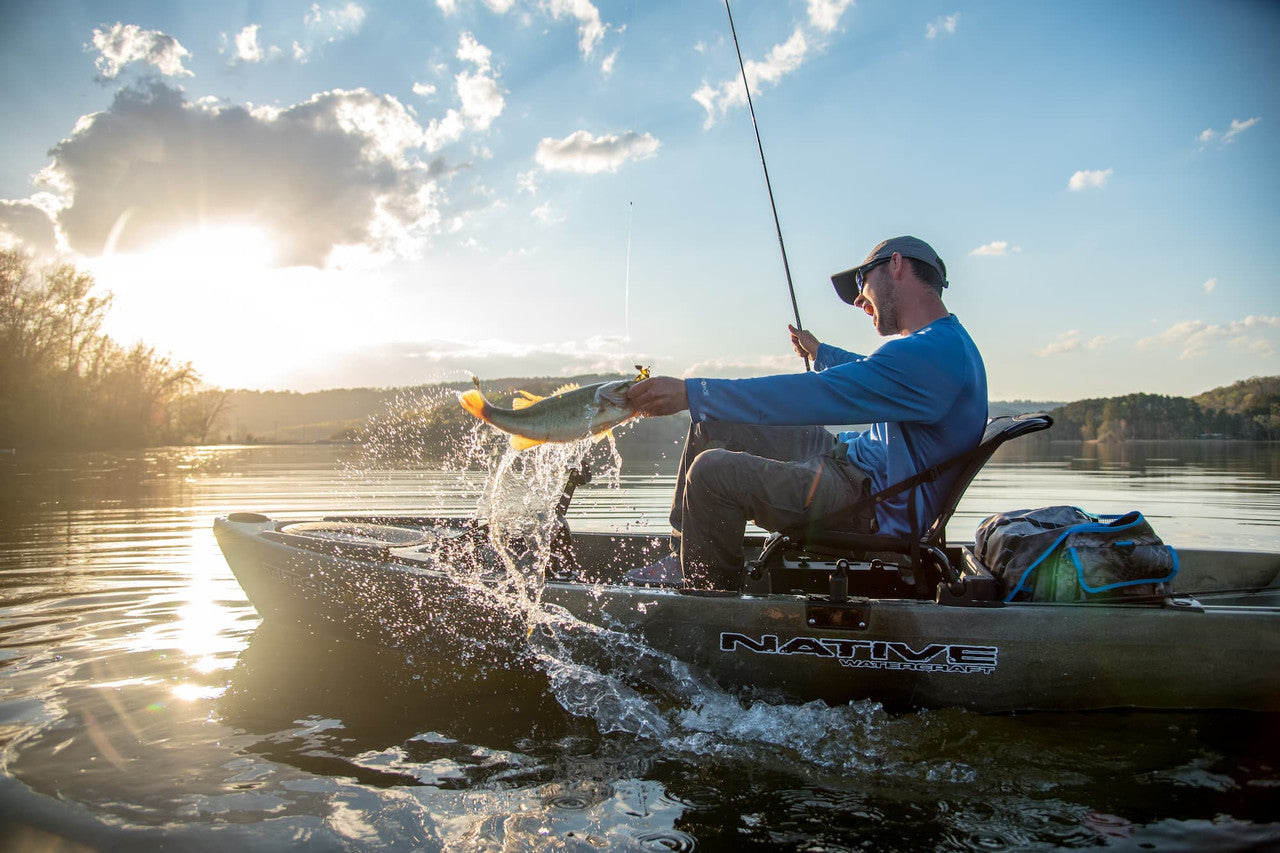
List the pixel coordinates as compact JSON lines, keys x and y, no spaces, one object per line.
{"x":666,"y":395}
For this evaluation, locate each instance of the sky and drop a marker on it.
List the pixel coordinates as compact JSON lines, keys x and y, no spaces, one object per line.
{"x":310,"y":195}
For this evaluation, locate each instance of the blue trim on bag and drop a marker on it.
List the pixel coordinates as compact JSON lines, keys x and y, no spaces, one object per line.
{"x":1075,"y":558}
{"x":1091,"y":527}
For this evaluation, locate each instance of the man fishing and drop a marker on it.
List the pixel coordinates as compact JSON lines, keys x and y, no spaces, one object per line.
{"x":757,"y":448}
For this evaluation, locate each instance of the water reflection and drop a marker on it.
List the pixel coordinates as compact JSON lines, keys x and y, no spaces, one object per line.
{"x":143,"y":704}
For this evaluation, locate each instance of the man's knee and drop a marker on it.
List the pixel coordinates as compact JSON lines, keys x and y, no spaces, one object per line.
{"x":712,"y":472}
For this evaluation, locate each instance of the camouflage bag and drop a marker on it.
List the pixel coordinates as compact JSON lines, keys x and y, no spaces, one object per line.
{"x":1062,"y":553}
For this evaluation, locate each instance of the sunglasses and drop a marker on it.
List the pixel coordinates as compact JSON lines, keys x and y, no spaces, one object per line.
{"x":860,"y":275}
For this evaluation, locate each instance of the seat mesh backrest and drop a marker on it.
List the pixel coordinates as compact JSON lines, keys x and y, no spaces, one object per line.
{"x":998,"y":431}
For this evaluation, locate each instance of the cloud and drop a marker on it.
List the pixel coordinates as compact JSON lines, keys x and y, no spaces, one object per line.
{"x":247,"y":47}
{"x":1210,"y":285}
{"x":591,"y":29}
{"x":996,"y":248}
{"x":481,"y":98}
{"x":782,"y":60}
{"x":123,"y":44}
{"x":342,"y":169}
{"x":1073,"y":341}
{"x":730,"y":368}
{"x":424,"y":90}
{"x":335,"y":23}
{"x":607,"y":64}
{"x":547,"y":215}
{"x":320,"y":26}
{"x":27,"y":224}
{"x":1238,"y":127}
{"x":325,"y":26}
{"x":586,"y":154}
{"x":1257,"y":335}
{"x":1084,"y":180}
{"x":470,"y":50}
{"x":527,"y":182}
{"x":943,"y":25}
{"x":501,"y":7}
{"x":1229,"y":135}
{"x":413,"y":363}
{"x":824,"y":15}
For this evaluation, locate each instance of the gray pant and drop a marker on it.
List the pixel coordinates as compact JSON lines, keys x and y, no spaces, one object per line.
{"x":778,"y":477}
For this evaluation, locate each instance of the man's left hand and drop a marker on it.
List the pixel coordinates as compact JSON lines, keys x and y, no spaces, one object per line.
{"x":804,"y":343}
{"x":661,"y":395}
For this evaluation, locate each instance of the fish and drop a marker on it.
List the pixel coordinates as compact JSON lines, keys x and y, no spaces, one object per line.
{"x":569,"y":413}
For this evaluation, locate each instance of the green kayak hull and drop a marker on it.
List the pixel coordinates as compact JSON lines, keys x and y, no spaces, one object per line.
{"x":1214,"y":643}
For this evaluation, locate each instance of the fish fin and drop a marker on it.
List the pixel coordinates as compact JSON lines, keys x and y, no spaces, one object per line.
{"x":474,"y":402}
{"x":520,"y":442}
{"x":602,"y":435}
{"x":525,"y":400}
{"x":616,"y":398}
{"x":566,"y":388}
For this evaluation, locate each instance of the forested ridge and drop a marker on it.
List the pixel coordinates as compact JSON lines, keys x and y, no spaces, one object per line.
{"x":1249,"y":409}
{"x":66,"y":384}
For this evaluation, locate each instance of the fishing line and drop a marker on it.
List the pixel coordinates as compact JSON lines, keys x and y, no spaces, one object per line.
{"x":795,"y":308}
{"x":626,"y":307}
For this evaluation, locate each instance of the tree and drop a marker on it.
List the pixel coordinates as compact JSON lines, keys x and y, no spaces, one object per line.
{"x":1270,"y":422}
{"x":63,"y":383}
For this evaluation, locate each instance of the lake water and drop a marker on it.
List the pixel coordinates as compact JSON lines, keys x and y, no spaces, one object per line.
{"x":145,"y":706}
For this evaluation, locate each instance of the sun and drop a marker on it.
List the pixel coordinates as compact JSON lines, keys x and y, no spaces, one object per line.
{"x":217,"y":296}
{"x":181,"y":293}
{"x":214,"y":251}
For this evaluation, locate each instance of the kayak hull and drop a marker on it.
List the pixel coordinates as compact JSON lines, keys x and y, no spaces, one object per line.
{"x":877,"y":644}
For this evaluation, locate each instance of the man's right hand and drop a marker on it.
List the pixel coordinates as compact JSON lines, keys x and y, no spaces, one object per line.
{"x":661,"y":395}
{"x":805,"y":344}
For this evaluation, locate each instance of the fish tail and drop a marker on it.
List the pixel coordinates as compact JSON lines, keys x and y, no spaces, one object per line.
{"x":475,"y":403}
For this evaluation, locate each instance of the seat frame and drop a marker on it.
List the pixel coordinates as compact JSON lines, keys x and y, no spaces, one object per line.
{"x":924,"y":546}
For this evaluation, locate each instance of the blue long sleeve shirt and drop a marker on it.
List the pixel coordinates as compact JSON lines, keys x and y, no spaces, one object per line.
{"x":924,"y":394}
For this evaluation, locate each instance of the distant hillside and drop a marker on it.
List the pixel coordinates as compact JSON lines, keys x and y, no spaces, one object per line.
{"x":1251,"y":397}
{"x":997,"y":409}
{"x":1249,"y":409}
{"x":1246,"y":409}
{"x":256,"y":416}
{"x":322,"y":415}
{"x":292,"y":416}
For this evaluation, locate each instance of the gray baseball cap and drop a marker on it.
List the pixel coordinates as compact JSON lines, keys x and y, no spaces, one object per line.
{"x":909,"y":247}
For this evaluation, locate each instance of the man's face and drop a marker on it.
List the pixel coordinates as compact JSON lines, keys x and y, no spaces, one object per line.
{"x":879,"y":298}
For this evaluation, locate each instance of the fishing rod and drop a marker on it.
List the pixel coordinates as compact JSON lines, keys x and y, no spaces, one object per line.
{"x":786,"y":267}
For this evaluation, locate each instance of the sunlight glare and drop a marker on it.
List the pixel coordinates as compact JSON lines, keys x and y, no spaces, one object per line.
{"x":215,"y":295}
{"x":215,"y":251}
{"x":189,"y":692}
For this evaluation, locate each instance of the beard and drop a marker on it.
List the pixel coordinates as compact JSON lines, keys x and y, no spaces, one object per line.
{"x":886,"y":313}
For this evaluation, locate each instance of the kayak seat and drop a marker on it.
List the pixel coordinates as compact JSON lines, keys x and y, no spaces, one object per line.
{"x":921,"y":554}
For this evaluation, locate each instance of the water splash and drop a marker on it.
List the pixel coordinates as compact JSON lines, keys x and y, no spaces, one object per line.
{"x":609,"y":677}
{"x":519,"y":504}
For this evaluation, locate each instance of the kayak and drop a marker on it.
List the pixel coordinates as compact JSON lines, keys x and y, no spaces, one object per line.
{"x":837,"y":630}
